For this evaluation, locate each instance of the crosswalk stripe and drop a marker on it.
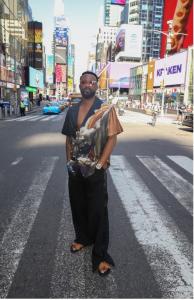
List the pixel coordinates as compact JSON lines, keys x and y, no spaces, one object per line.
{"x":16,"y":236}
{"x":22,"y":119}
{"x":183,"y":161}
{"x":172,"y":181}
{"x":164,"y":251}
{"x":49,"y":118}
{"x":37,"y":118}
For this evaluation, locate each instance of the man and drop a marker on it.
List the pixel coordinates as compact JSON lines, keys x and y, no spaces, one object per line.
{"x":91,"y":128}
{"x":22,"y":108}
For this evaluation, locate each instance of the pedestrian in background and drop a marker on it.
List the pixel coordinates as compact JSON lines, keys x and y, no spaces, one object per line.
{"x":91,"y":129}
{"x":22,"y":108}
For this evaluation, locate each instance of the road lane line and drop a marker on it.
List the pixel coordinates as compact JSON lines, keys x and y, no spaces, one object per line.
{"x":172,"y":181}
{"x":164,"y":248}
{"x":17,"y":161}
{"x":183,"y":161}
{"x":17,"y":234}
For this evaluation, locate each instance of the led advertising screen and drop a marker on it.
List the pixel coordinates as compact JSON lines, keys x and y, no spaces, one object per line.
{"x":61,"y":74}
{"x":118,"y":2}
{"x":129,"y":41}
{"x":185,"y":19}
{"x":49,"y":68}
{"x":171,"y":69}
{"x":118,"y":74}
{"x":36,"y":78}
{"x":61,"y":36}
{"x":120,"y":41}
{"x":61,"y":55}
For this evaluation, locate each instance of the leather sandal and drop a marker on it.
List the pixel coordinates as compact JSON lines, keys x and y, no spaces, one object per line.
{"x":73,"y":248}
{"x":104,"y":271}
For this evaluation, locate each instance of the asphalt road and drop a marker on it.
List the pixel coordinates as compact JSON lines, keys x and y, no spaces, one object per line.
{"x":150,"y":212}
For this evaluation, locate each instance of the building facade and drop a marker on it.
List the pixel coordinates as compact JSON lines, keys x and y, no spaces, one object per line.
{"x":14,"y":18}
{"x":112,"y":14}
{"x":148,"y":14}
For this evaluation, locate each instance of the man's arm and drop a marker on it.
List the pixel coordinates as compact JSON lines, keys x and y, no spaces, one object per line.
{"x":108,"y":150}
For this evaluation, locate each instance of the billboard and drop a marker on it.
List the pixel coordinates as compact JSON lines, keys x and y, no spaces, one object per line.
{"x":184,"y":16}
{"x":49,"y":68}
{"x":120,"y":41}
{"x":61,"y":73}
{"x":118,"y":2}
{"x":129,"y":41}
{"x":61,"y":55}
{"x":118,"y":74}
{"x":36,"y":78}
{"x":150,"y":80}
{"x":170,"y":70}
{"x":61,"y":36}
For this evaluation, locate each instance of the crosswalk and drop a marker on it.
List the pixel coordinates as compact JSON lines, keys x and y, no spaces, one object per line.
{"x":167,"y":249}
{"x":41,"y":118}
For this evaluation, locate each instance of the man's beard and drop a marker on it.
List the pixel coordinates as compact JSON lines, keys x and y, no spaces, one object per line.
{"x":87,"y":93}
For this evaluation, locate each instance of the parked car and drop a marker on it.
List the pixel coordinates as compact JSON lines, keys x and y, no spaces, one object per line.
{"x":188,"y":119}
{"x":51,"y":108}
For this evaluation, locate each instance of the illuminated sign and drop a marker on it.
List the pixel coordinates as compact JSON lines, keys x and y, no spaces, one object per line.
{"x":170,"y":70}
{"x":36,"y":78}
{"x":118,"y":2}
{"x":61,"y":36}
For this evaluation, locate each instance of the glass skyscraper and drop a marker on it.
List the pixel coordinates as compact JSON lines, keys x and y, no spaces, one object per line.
{"x":149,"y":14}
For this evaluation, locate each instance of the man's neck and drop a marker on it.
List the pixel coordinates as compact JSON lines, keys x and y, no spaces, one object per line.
{"x":88,"y":102}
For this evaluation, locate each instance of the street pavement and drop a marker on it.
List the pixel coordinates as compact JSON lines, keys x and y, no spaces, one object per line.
{"x":150,"y":212}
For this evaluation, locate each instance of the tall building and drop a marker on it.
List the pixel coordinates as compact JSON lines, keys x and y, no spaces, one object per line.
{"x":112,"y":13}
{"x":105,"y":37}
{"x":15,"y":16}
{"x":149,"y":14}
{"x":60,"y":49}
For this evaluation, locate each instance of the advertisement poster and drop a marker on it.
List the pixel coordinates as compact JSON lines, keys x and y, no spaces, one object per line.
{"x":49,"y":69}
{"x":36,"y":78}
{"x":185,"y":20}
{"x":150,"y":80}
{"x":120,"y":41}
{"x":170,"y":70}
{"x":118,"y":2}
{"x":61,"y":36}
{"x":129,"y":41}
{"x":118,"y":74}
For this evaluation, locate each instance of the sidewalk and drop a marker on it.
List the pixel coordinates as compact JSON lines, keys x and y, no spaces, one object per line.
{"x":169,"y":118}
{"x":34,"y":109}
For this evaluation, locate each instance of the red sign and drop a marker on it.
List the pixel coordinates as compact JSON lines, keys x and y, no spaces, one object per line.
{"x":180,"y":7}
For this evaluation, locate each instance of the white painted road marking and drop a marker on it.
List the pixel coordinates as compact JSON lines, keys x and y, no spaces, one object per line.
{"x":172,"y":181}
{"x":17,"y":161}
{"x":17,"y":234}
{"x":171,"y":267}
{"x":48,"y":118}
{"x":183,"y":161}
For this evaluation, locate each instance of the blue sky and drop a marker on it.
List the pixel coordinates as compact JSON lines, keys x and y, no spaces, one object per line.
{"x":83,"y":16}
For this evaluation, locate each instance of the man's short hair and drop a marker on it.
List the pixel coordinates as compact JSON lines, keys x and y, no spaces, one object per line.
{"x":89,"y":73}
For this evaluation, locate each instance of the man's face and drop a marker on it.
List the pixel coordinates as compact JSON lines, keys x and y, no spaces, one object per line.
{"x":88,"y":86}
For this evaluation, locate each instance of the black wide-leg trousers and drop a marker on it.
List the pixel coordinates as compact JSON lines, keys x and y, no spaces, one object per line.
{"x":89,"y":199}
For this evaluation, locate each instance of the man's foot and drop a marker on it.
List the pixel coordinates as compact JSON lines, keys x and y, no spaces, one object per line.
{"x":75,"y":247}
{"x":104,"y":268}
